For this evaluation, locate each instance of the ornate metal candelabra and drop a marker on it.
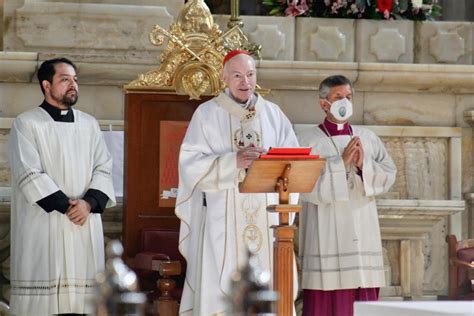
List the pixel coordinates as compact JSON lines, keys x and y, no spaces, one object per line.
{"x":117,"y":286}
{"x":251,"y":294}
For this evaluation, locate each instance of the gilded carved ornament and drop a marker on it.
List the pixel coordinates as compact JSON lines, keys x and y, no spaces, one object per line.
{"x":191,"y":62}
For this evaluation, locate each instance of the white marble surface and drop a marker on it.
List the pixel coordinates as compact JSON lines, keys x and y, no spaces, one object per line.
{"x":447,"y":308}
{"x":448,"y":42}
{"x":275,"y":34}
{"x":408,"y":108}
{"x":87,"y":28}
{"x":391,"y":41}
{"x":120,"y":29}
{"x":17,"y":67}
{"x":319,"y":39}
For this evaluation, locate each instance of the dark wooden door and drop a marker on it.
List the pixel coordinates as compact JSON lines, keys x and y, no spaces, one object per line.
{"x":154,"y":127}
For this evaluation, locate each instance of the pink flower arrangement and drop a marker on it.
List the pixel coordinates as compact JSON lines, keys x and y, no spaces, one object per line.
{"x":357,"y":9}
{"x":296,"y":7}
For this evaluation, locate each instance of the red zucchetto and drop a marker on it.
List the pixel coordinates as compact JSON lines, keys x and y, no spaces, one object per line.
{"x":234,"y":53}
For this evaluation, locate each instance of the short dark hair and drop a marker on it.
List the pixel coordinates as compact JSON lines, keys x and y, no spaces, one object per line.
{"x":48,"y":68}
{"x":333,"y":81}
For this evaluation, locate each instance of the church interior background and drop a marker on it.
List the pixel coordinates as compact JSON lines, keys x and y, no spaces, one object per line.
{"x":414,"y":84}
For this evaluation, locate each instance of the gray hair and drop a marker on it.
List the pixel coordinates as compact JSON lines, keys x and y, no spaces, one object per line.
{"x":333,"y":81}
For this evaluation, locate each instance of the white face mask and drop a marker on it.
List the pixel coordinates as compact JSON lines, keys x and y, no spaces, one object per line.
{"x":341,"y":109}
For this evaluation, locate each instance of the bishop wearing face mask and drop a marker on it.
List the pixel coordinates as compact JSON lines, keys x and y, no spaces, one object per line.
{"x":340,"y":241}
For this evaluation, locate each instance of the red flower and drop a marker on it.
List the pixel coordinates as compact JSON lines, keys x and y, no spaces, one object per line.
{"x":384,"y":5}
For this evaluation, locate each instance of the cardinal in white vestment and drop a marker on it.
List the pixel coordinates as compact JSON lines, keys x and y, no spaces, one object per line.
{"x":340,"y":240}
{"x":61,"y":183}
{"x":218,"y":223}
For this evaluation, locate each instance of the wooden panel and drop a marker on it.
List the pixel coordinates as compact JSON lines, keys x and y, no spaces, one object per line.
{"x":144,"y":113}
{"x":263,"y":175}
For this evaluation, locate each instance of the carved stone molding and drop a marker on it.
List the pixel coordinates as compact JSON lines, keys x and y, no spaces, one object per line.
{"x":448,"y":42}
{"x":328,"y":43}
{"x":85,"y":28}
{"x":385,"y":42}
{"x":268,"y":31}
{"x":279,"y":75}
{"x":447,"y":47}
{"x":414,"y":232}
{"x":388,"y":45}
{"x":325,"y":39}
{"x":272,"y":39}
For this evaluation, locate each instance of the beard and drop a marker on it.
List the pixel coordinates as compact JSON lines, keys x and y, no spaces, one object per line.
{"x":67,"y":99}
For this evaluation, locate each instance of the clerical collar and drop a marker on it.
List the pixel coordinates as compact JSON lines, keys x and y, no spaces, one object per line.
{"x":246,"y":105}
{"x":66,"y":116}
{"x":335,"y":129}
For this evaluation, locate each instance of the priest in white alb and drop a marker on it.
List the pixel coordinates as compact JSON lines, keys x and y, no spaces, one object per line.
{"x":219,"y":224}
{"x":61,"y":183}
{"x":340,"y":242}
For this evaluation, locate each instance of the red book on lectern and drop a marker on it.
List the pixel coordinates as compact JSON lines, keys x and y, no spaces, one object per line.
{"x":289,"y":153}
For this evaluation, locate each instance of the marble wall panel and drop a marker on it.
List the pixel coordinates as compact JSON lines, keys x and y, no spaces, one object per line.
{"x":435,"y":251}
{"x":390,"y":42}
{"x":319,"y":39}
{"x":466,"y":156}
{"x":173,"y":7}
{"x":19,"y":97}
{"x":409,"y":109}
{"x":4,"y":165}
{"x":422,"y":168}
{"x":114,"y":30}
{"x":17,"y":67}
{"x":104,"y":102}
{"x":275,"y":34}
{"x":303,"y":108}
{"x":464,"y":102}
{"x":447,"y":43}
{"x":289,"y":100}
{"x":393,"y":256}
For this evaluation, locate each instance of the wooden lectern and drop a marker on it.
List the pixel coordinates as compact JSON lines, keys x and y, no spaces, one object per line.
{"x":284,"y":176}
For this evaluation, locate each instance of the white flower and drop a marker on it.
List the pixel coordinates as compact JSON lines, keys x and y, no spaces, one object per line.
{"x":417,"y":3}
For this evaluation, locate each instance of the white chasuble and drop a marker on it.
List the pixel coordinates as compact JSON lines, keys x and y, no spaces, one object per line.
{"x":340,"y":242}
{"x":53,"y":261}
{"x":218,"y":223}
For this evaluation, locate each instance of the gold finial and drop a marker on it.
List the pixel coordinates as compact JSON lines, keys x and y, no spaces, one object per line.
{"x":191,"y":62}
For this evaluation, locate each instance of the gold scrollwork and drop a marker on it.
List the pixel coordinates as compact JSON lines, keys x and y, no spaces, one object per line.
{"x":191,"y":62}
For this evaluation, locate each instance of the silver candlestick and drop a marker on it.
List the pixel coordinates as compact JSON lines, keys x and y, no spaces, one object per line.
{"x":117,"y":286}
{"x":251,"y":294}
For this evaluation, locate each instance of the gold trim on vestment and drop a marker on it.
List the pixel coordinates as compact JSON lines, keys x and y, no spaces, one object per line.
{"x":225,"y":242}
{"x":186,"y":223}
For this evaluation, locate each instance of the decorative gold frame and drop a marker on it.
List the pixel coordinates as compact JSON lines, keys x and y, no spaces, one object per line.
{"x":191,"y":62}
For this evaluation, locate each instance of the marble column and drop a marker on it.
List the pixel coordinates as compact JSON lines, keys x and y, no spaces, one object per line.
{"x":469,"y":196}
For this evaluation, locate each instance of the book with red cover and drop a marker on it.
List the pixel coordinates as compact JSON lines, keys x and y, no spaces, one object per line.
{"x":289,"y":153}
